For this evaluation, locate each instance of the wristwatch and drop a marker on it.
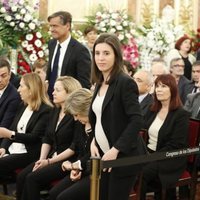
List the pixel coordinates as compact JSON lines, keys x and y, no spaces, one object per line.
{"x":13,"y":135}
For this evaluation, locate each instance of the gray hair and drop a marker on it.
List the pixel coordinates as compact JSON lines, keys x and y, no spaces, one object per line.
{"x":163,"y":64}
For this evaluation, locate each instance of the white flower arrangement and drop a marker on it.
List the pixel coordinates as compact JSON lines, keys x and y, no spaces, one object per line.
{"x":18,"y":19}
{"x":157,"y":40}
{"x":21,"y":30}
{"x":110,"y":21}
{"x":33,"y":47}
{"x":19,"y":15}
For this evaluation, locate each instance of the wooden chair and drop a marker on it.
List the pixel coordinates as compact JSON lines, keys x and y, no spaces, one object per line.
{"x":189,"y":177}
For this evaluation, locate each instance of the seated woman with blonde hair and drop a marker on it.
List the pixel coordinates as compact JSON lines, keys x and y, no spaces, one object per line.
{"x":57,"y":145}
{"x":76,"y":186}
{"x":22,"y":141}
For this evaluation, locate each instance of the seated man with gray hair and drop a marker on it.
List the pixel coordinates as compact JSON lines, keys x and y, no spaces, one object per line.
{"x":158,"y":67}
{"x":144,"y":81}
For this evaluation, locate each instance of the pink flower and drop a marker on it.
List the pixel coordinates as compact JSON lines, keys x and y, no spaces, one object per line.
{"x":130,"y":52}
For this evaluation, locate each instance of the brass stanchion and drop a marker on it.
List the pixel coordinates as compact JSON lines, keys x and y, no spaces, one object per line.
{"x":95,"y":178}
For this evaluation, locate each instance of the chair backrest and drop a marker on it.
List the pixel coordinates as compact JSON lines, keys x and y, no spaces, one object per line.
{"x":194,"y":134}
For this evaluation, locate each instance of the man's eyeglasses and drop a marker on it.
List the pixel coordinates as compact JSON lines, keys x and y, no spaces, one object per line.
{"x":179,"y":65}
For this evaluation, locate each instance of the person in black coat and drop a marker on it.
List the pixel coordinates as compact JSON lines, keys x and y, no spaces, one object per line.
{"x":192,"y":105}
{"x":56,"y":147}
{"x":74,"y":59}
{"x":15,"y":80}
{"x":144,"y":80}
{"x":198,"y":54}
{"x":22,"y":140}
{"x":115,"y":117}
{"x":185,"y":86}
{"x":9,"y":97}
{"x":167,"y":124}
{"x":76,"y":186}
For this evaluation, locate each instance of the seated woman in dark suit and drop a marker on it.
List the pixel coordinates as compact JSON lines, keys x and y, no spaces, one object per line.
{"x":56,"y":145}
{"x":167,"y":124}
{"x":76,"y":186}
{"x":21,"y":143}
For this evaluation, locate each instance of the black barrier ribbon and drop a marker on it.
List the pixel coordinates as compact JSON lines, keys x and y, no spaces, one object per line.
{"x":149,"y":157}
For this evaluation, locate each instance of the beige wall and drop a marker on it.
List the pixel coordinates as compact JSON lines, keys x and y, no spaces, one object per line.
{"x":186,"y":10}
{"x":81,"y":8}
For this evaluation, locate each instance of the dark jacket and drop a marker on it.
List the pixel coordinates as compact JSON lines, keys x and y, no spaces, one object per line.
{"x":82,"y":145}
{"x":76,"y":63}
{"x":185,"y":87}
{"x":172,"y":135}
{"x":121,"y":118}
{"x":9,"y":103}
{"x":192,"y":104}
{"x":62,"y":137}
{"x":34,"y":131}
{"x":145,"y":103}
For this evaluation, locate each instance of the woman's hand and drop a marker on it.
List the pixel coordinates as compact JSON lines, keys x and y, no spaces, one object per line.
{"x":40,"y":164}
{"x":110,"y":155}
{"x":5,"y":133}
{"x":2,"y":152}
{"x":75,"y":175}
{"x":94,"y":150}
{"x":66,"y":166}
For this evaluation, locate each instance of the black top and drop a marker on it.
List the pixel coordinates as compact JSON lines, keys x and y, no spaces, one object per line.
{"x":82,"y":145}
{"x":188,"y":68}
{"x":35,"y":130}
{"x":60,"y":136}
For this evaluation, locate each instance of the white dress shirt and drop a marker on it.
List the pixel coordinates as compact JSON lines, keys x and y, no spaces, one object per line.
{"x":63,"y":50}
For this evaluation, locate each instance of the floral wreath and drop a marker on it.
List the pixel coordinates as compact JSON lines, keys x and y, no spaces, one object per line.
{"x":32,"y":48}
{"x":20,"y":29}
{"x":120,"y":23}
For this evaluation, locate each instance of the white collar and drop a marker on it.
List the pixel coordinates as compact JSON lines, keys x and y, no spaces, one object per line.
{"x":2,"y":91}
{"x":141,"y":97}
{"x":65,"y":44}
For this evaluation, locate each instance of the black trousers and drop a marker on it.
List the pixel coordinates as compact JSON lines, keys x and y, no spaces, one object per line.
{"x":29,"y":184}
{"x":111,"y":188}
{"x":69,"y":190}
{"x":151,"y":183}
{"x":12,"y":162}
{"x":114,"y":187}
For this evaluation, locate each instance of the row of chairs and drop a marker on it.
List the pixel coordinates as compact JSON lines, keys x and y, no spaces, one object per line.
{"x":189,"y":177}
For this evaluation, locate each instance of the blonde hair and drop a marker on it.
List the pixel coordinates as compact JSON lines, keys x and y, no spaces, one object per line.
{"x":69,"y":83}
{"x":79,"y":102}
{"x":37,"y":89}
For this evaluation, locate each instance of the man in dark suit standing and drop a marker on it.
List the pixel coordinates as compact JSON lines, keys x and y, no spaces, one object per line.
{"x":66,"y":55}
{"x":144,"y":80}
{"x":9,"y":97}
